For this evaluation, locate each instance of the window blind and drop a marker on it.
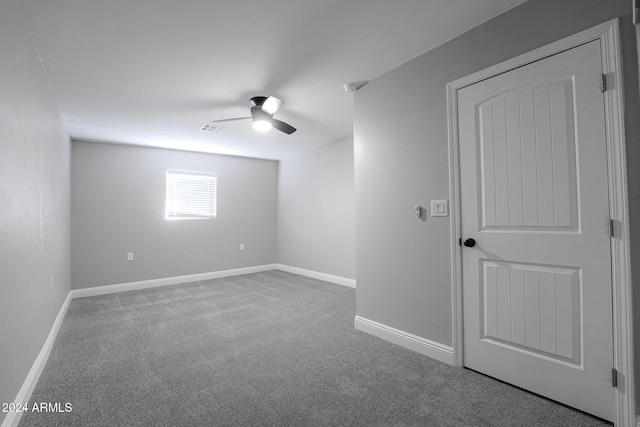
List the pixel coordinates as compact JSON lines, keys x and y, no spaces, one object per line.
{"x":190,"y":195}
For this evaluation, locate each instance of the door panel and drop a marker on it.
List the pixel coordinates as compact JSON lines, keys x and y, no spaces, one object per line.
{"x":533,"y":309}
{"x":528,"y":161}
{"x":534,"y":195}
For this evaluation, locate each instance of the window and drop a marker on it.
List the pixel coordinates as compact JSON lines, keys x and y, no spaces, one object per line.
{"x":190,"y":195}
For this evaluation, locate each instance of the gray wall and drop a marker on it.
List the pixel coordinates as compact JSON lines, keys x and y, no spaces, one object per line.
{"x":117,"y":206}
{"x":316,"y":219}
{"x":34,"y":212}
{"x":401,"y":158}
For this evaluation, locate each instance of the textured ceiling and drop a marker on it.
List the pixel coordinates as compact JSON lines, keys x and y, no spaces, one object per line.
{"x":152,"y":72}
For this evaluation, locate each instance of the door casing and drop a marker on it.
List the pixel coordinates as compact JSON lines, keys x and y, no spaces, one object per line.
{"x":609,"y":35}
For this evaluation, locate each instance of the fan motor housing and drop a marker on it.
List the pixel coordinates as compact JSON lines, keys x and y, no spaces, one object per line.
{"x":257,"y":101}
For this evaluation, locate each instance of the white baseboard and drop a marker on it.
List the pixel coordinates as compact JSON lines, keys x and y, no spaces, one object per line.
{"x":338,"y":280}
{"x":144,"y":284}
{"x":421,"y":345}
{"x":13,"y":418}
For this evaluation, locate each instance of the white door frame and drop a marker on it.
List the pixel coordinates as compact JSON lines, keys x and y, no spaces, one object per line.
{"x":609,"y":35}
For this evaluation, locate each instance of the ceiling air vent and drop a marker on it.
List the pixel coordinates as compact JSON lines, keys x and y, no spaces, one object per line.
{"x":209,"y":128}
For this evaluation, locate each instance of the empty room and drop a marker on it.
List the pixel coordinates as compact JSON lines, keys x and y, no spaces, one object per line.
{"x":319,"y":213}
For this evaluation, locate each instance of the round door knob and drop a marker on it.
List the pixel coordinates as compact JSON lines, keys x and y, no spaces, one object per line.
{"x":469,"y":243}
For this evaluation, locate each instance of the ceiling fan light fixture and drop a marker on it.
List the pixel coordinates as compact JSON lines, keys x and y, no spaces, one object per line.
{"x":262,"y":125}
{"x":262,"y":110}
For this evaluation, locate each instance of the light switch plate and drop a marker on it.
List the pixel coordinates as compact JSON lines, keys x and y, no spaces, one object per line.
{"x":439,"y":208}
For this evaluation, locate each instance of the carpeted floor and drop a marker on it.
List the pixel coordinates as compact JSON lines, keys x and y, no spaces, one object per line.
{"x":264,"y":349}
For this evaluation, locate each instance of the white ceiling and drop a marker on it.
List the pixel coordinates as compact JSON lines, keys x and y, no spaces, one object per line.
{"x":152,"y":72}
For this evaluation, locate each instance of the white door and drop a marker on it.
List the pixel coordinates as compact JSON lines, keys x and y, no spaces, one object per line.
{"x":536,"y":287}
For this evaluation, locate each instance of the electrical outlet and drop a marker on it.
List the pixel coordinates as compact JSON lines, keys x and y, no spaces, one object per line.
{"x":242,"y":246}
{"x":129,"y":256}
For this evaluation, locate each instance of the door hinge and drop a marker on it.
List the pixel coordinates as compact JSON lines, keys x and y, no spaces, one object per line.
{"x":614,"y":377}
{"x":603,"y":83}
{"x":612,"y":228}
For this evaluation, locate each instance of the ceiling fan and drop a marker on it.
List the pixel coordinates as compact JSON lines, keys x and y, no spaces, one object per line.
{"x":262,"y":110}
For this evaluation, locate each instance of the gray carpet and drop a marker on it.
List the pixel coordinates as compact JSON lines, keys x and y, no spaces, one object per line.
{"x":264,"y":349}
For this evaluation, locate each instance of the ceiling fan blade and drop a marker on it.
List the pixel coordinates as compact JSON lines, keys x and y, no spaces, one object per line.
{"x":283,"y":127}
{"x":230,"y":120}
{"x":271,"y":105}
